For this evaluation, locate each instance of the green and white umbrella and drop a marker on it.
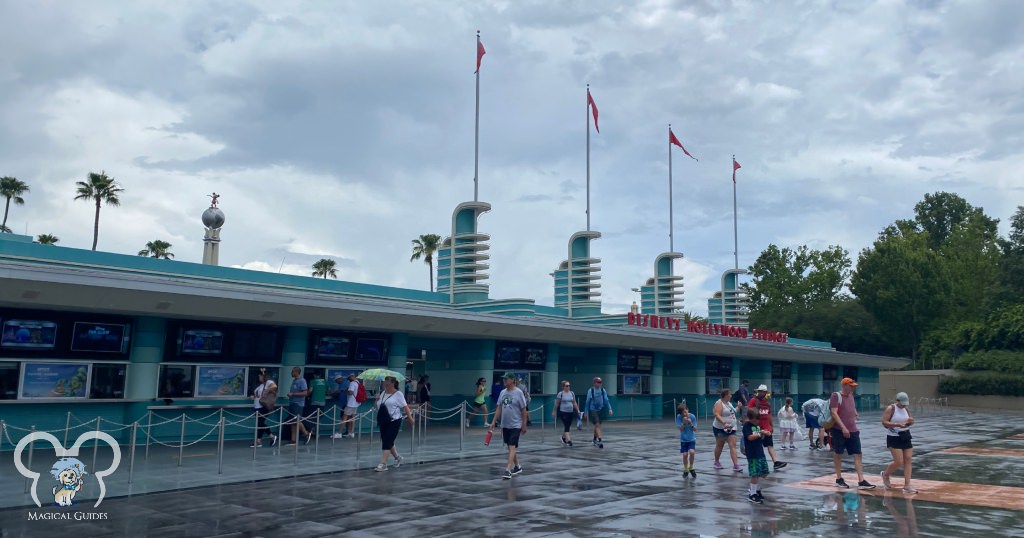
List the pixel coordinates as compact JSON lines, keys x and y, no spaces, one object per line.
{"x":378,"y":374}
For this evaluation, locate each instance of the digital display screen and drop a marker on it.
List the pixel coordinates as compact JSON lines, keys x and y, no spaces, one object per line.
{"x":782,"y":370}
{"x":535,"y":357}
{"x":202,"y":342}
{"x":332,"y":347}
{"x":54,"y":380}
{"x":99,"y":337}
{"x":507,"y":356}
{"x":718,"y":367}
{"x":644,"y":363}
{"x":29,"y":334}
{"x":627,"y":362}
{"x":371,"y":350}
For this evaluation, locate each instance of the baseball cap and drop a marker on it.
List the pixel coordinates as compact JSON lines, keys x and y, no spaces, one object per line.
{"x":508,"y":375}
{"x":762,"y":387}
{"x":339,"y":378}
{"x":597,"y":380}
{"x":902,"y":398}
{"x":848,"y":381}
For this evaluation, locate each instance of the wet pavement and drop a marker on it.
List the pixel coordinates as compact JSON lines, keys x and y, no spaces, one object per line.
{"x":632,"y":487}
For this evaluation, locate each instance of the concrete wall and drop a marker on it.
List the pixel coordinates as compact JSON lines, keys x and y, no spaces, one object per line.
{"x":916,"y":383}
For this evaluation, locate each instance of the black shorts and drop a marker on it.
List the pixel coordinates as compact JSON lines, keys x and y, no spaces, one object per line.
{"x":510,"y":436}
{"x":767,"y":441}
{"x":840,"y":444}
{"x":900,"y":442}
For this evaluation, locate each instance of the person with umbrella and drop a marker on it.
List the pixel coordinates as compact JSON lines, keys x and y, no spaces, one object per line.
{"x":391,"y":405}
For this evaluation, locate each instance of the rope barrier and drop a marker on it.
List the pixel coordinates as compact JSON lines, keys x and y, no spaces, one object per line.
{"x":183,"y":445}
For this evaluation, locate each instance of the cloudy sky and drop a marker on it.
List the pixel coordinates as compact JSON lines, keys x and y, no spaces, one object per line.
{"x":345,"y":129}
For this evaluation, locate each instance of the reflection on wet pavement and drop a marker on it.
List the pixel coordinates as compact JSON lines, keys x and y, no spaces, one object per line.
{"x":633,"y":487}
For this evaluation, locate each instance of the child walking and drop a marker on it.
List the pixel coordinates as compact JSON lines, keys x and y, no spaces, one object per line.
{"x":687,"y":422}
{"x":788,"y":424}
{"x":757,"y":464}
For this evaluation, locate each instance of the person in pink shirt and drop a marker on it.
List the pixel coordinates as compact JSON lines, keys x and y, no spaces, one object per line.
{"x":845,"y":435}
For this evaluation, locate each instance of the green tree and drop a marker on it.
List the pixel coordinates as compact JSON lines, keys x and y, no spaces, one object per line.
{"x":47,"y":239}
{"x":425,"y":247}
{"x":902,"y":283}
{"x":942,"y":213}
{"x":786,"y":278}
{"x":1010,"y":284}
{"x":325,"y":268}
{"x":157,"y":249}
{"x":12,"y":190}
{"x":100,"y":188}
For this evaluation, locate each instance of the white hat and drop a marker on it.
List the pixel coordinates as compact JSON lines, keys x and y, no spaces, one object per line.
{"x":762,"y":387}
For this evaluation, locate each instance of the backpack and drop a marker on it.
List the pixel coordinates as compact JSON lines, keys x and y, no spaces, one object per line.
{"x":831,"y":422}
{"x":593,"y":397}
{"x":361,"y":393}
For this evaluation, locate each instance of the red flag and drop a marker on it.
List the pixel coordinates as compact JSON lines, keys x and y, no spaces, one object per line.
{"x":735,"y":166}
{"x":479,"y":53}
{"x":673,"y":140}
{"x":593,"y":106}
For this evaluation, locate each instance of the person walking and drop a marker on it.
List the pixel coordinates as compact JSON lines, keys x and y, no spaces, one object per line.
{"x":391,"y":405}
{"x":788,"y":424}
{"x":724,"y":428}
{"x":844,"y":434}
{"x":757,"y":465}
{"x":813,"y":410}
{"x":567,"y":409}
{"x":480,"y":401}
{"x":423,"y":395}
{"x":742,"y":397}
{"x":351,"y":406}
{"x":763,"y":405}
{"x":686,"y":422}
{"x":897,"y":421}
{"x":598,"y":408}
{"x":511,"y":412}
{"x":296,"y":402}
{"x":265,"y":387}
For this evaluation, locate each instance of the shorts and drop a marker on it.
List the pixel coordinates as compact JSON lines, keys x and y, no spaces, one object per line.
{"x":811,"y":420}
{"x":351,"y":410}
{"x":767,"y":441}
{"x":840,"y":443}
{"x":478,"y":406}
{"x":722,"y":434}
{"x":597,"y":416}
{"x":295,"y":409}
{"x":510,"y":436}
{"x":899,"y":442}
{"x":686,"y":446}
{"x":757,"y":467}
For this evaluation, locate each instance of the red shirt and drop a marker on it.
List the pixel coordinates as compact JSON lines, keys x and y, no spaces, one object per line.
{"x":764,"y":412}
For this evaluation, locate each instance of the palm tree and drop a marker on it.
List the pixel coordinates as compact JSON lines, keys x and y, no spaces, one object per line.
{"x":101,"y":188}
{"x":12,"y":189}
{"x":325,"y":268}
{"x":426,"y":246}
{"x":157,"y":249}
{"x":47,"y":239}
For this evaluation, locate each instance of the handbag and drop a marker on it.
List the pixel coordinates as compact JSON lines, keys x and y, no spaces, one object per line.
{"x":269,"y":397}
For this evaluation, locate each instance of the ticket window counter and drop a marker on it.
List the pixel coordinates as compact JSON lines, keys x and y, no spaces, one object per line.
{"x":829,"y":379}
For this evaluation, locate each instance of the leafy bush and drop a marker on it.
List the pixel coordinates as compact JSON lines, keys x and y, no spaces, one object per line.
{"x":1008,"y":362}
{"x":983,"y":383}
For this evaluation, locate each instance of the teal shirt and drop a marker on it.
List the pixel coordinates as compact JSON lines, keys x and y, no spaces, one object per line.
{"x":319,"y":387}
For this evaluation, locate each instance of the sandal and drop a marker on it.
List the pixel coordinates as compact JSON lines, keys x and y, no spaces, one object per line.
{"x":910,"y":491}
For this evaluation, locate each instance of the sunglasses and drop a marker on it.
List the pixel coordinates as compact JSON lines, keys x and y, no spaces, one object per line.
{"x":565,"y":385}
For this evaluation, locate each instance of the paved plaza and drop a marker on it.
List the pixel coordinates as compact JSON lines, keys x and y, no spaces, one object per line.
{"x":970,"y":466}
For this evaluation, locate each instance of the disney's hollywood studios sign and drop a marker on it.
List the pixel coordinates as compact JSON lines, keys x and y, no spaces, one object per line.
{"x":654,"y":321}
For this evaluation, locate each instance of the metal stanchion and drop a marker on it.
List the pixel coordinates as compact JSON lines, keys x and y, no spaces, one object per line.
{"x":316,"y":432}
{"x":256,"y":433}
{"x":280,"y":425}
{"x":295,"y":437}
{"x":31,"y":449}
{"x":131,"y":459}
{"x":95,"y":442}
{"x":67,"y":426}
{"x":412,"y":450}
{"x":149,"y":431}
{"x":462,"y":424}
{"x":220,"y":444}
{"x":359,"y":427}
{"x":3,"y":433}
{"x":631,"y":409}
{"x":334,"y":425}
{"x":181,"y":444}
{"x":542,"y":422}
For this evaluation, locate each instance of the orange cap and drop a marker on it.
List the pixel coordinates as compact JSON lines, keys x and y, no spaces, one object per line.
{"x":848,"y":381}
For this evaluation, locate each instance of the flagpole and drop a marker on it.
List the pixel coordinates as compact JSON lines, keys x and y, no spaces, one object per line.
{"x":671,"y":244}
{"x":588,"y":157}
{"x":735,"y":233}
{"x":476,"y":133}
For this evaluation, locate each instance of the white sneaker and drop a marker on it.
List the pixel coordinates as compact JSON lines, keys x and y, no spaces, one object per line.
{"x":398,"y":462}
{"x":338,"y":436}
{"x":380,"y":467}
